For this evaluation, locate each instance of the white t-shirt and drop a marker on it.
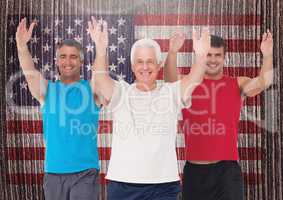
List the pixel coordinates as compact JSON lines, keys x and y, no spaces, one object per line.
{"x":144,"y":133}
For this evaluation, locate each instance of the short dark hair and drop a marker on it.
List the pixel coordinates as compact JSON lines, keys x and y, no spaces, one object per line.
{"x":71,"y":43}
{"x":217,"y":42}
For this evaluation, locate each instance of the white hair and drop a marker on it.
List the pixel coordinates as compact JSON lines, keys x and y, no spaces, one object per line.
{"x":148,"y":43}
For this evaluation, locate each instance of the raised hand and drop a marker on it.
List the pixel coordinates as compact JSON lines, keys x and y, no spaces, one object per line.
{"x":176,"y":42}
{"x":23,"y":34}
{"x":201,"y":45}
{"x":266,"y":46}
{"x":99,"y":34}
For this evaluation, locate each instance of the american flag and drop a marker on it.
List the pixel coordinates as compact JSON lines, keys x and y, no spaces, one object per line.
{"x":24,"y":146}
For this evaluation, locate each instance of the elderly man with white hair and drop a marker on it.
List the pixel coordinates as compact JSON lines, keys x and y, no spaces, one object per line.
{"x":143,"y":163}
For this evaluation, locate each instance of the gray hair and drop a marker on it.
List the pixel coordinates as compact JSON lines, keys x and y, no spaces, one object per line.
{"x":71,"y":43}
{"x":149,"y":43}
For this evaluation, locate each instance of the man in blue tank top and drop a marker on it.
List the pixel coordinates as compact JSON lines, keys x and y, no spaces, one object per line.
{"x":70,"y":119}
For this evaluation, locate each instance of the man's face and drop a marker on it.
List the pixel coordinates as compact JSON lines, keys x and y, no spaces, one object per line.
{"x":145,"y":66}
{"x":215,"y":61}
{"x":69,"y":62}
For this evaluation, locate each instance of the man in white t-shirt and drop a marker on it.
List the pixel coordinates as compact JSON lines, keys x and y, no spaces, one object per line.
{"x":143,"y":163}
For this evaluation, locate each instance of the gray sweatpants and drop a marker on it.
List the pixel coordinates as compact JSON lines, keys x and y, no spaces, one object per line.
{"x":73,"y":186}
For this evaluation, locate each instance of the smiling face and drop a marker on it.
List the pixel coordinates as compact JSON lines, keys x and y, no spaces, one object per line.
{"x":215,"y":62}
{"x":69,"y":63}
{"x":145,"y":67}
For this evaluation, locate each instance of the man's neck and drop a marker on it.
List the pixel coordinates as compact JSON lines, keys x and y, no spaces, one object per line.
{"x":146,"y":87}
{"x":68,"y":80}
{"x":214,"y":77}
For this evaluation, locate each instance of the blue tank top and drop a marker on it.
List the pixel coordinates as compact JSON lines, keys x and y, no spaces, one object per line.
{"x":70,"y":122}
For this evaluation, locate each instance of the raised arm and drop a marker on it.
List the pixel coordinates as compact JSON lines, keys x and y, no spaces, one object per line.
{"x":170,"y":67}
{"x":101,"y":81}
{"x":194,"y":78}
{"x":36,"y":82}
{"x":253,"y":86}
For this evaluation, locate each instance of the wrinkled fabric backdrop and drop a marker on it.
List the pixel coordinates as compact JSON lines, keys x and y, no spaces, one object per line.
{"x":239,"y":22}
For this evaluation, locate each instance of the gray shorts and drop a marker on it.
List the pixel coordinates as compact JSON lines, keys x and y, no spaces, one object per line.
{"x":72,"y":186}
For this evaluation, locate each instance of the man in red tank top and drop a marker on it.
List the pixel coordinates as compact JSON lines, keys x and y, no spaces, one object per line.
{"x":210,"y":126}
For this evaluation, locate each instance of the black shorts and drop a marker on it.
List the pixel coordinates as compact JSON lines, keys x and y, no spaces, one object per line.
{"x":219,"y":181}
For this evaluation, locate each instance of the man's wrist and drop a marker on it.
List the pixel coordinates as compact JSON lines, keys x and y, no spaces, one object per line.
{"x":101,"y":52}
{"x":267,"y":56}
{"x":200,"y":55}
{"x":22,"y":47}
{"x":172,"y":52}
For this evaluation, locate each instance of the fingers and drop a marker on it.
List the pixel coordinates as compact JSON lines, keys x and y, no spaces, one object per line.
{"x":21,"y":29}
{"x":264,"y":36}
{"x":94,"y":22}
{"x":194,"y":34}
{"x":22,"y":24}
{"x":98,"y":27}
{"x":92,"y":25}
{"x":181,"y":35}
{"x":267,"y":35}
{"x":105,"y":27}
{"x":205,"y":32}
{"x":31,"y":28}
{"x":178,"y":35}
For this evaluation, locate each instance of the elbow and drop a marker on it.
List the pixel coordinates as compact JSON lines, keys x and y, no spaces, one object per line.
{"x":267,"y":79}
{"x":268,"y":84}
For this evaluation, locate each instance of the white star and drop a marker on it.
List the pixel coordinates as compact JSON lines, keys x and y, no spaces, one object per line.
{"x":121,"y":59}
{"x":24,"y":85}
{"x":89,"y":67}
{"x":121,"y":22}
{"x":58,"y":22}
{"x":87,"y":30}
{"x":56,"y":77}
{"x":46,"y":67}
{"x":47,"y":30}
{"x":89,"y":47}
{"x":57,"y":40}
{"x":35,"y":59}
{"x":70,"y":30}
{"x":12,"y":23}
{"x":78,"y":22}
{"x":11,"y":95}
{"x":121,"y":76}
{"x":113,"y":31}
{"x":34,"y":39}
{"x":113,"y":48}
{"x":11,"y":60}
{"x":46,"y":47}
{"x":121,"y":39}
{"x":11,"y":39}
{"x":13,"y":77}
{"x":112,"y":67}
{"x":78,"y":39}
